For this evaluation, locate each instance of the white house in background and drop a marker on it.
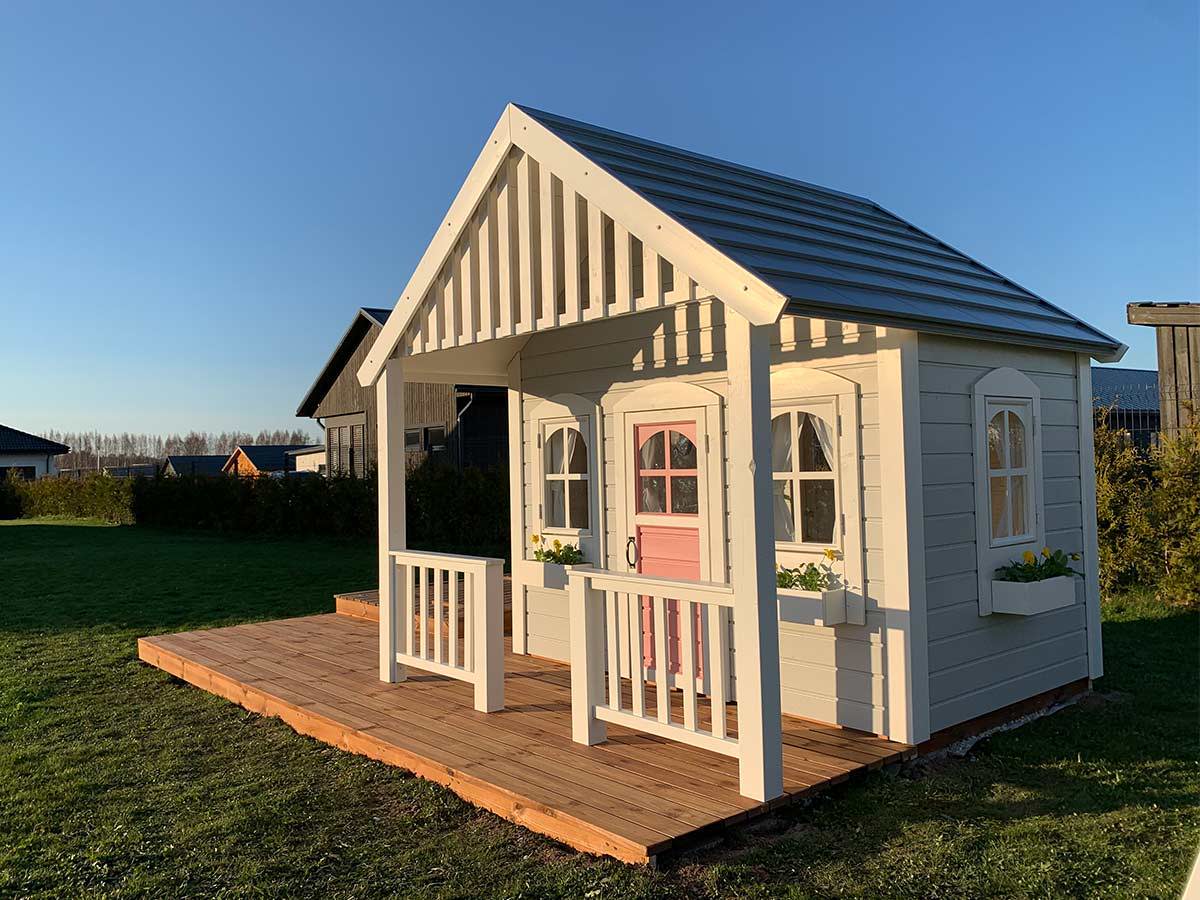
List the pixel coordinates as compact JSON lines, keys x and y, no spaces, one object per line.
{"x":28,"y":455}
{"x":713,"y":371}
{"x":308,"y":459}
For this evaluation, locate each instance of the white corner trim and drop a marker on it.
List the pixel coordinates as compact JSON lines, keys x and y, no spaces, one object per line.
{"x":516,"y":503}
{"x":1087,"y":491}
{"x":906,"y":646}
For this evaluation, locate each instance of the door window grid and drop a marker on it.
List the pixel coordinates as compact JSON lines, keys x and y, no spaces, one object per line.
{"x":667,"y":470}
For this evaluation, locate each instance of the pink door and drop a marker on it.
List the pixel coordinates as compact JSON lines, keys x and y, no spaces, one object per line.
{"x":667,"y":521}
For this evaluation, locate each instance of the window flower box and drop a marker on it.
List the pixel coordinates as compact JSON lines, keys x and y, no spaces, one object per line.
{"x":821,"y":608}
{"x":1028,"y":598}
{"x":548,"y":575}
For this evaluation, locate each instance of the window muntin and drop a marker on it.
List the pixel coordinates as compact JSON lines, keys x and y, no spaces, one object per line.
{"x":1010,"y":480}
{"x":566,"y":498}
{"x":803,"y":454}
{"x":667,"y":470}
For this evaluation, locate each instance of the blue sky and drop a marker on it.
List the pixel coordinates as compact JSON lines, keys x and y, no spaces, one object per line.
{"x":195,"y":197}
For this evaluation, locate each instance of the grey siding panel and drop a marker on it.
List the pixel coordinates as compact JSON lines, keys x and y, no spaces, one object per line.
{"x":980,"y":663}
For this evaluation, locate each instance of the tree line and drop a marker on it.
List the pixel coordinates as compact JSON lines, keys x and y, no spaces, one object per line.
{"x":91,"y":449}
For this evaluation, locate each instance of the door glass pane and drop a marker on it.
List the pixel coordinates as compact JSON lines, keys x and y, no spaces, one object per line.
{"x":683,"y":494}
{"x":1016,"y":442}
{"x":577,"y":492}
{"x":1017,"y":498}
{"x":785,"y":520}
{"x":817,"y":508}
{"x":651,"y":454}
{"x":554,"y":452}
{"x":652,"y":493}
{"x":999,"y":491}
{"x":576,"y":452}
{"x":556,"y":513}
{"x":781,"y":445}
{"x":814,"y":444}
{"x":683,"y":451}
{"x":996,"y":442}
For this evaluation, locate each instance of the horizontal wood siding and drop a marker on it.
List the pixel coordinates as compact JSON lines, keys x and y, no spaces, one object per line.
{"x":980,"y":663}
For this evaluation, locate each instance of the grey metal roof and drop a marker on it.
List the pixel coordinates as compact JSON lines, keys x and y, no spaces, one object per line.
{"x":15,"y":441}
{"x":830,"y":253}
{"x":195,"y":464}
{"x":1125,"y":388}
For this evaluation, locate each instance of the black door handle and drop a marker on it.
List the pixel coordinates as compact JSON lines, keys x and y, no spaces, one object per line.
{"x":631,"y":552}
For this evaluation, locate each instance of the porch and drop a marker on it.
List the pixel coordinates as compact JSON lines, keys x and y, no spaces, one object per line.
{"x":633,"y":797}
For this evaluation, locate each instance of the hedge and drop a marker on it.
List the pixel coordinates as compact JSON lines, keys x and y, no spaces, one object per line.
{"x":452,"y":510}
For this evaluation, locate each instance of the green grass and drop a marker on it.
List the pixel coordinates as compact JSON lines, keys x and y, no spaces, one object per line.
{"x":117,"y":780}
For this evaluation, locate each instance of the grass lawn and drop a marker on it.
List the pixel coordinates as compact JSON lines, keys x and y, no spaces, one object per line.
{"x":116,"y":780}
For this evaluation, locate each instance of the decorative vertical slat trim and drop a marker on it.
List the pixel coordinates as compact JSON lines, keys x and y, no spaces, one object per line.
{"x":443,"y":297}
{"x":468,"y":291}
{"x":652,"y":278}
{"x":453,"y":605}
{"x":487,"y":268}
{"x":687,"y":661}
{"x":624,"y":270}
{"x":504,"y":251}
{"x":614,"y":659}
{"x":549,"y":311}
{"x":429,"y":317}
{"x":636,"y":655}
{"x":718,"y":654}
{"x":525,"y":198}
{"x":595,"y":233}
{"x":437,"y":614}
{"x":574,"y":312}
{"x":662,"y":663}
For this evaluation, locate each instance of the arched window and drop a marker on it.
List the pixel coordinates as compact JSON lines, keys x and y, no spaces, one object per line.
{"x":566,"y":499}
{"x":1010,"y":484}
{"x":803,"y":466}
{"x":666,"y":469}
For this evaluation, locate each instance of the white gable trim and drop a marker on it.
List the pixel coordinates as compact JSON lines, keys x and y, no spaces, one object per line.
{"x":735,"y":285}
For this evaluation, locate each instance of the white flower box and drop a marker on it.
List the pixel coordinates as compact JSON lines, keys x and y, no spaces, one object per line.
{"x":821,"y":608}
{"x":548,"y":575}
{"x":1028,"y":598}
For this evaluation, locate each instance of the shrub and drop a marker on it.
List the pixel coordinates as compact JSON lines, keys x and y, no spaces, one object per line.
{"x":94,"y":496}
{"x":1176,"y":517}
{"x":1125,"y":485}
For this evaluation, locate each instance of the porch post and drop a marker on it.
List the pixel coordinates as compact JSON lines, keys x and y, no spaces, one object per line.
{"x":390,"y":471}
{"x":516,"y":503}
{"x":756,"y":604}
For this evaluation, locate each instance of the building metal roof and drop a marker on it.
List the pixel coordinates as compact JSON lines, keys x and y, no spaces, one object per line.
{"x":202,"y":464}
{"x":1125,"y":388}
{"x":363,"y":319}
{"x":15,"y":441}
{"x":268,"y":457}
{"x":305,"y":451}
{"x":832,"y":254}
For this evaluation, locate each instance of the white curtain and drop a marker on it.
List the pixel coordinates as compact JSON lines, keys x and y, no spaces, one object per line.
{"x":825,"y":435}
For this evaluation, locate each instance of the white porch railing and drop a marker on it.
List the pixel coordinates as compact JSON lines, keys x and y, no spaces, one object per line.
{"x":610,"y":650}
{"x":450,"y":619}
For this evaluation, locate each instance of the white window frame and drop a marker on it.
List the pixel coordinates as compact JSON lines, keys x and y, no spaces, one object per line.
{"x":801,"y":387}
{"x":827,"y":410}
{"x":546,"y":428}
{"x":545,"y":415}
{"x":1006,"y":389}
{"x":1023,"y":410}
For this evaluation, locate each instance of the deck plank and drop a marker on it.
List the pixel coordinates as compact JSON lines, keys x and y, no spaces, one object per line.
{"x":633,"y":797}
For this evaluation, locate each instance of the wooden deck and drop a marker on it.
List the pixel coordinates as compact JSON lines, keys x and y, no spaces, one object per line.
{"x":633,"y":797}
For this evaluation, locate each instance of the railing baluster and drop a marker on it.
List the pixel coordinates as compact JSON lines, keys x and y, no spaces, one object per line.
{"x":469,"y":620}
{"x":614,"y":657}
{"x":662,"y":663}
{"x":453,"y":604}
{"x":717,"y":659}
{"x":687,"y":661}
{"x":637,"y":656}
{"x":422,"y":620}
{"x":437,"y":614}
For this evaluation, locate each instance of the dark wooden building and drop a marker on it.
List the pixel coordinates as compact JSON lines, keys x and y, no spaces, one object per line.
{"x":1178,"y":332}
{"x":456,"y":424}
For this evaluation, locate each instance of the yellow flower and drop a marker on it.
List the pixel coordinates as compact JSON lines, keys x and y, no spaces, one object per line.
{"x":830,"y":554}
{"x":1046,"y":552}
{"x":536,"y":539}
{"x":557,"y":544}
{"x":1075,"y":556}
{"x":1029,"y":558}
